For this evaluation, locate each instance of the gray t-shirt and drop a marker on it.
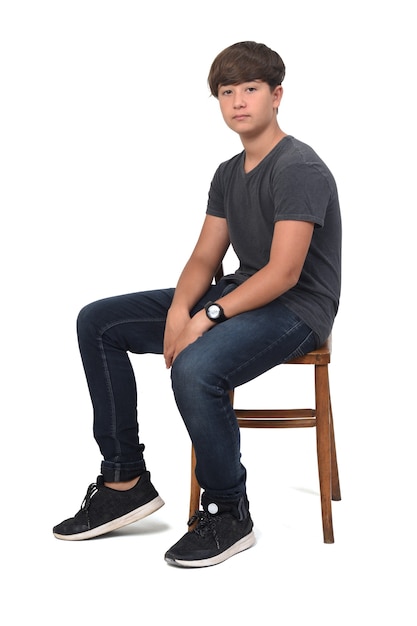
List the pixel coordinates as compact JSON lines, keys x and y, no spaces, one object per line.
{"x":290,"y":183}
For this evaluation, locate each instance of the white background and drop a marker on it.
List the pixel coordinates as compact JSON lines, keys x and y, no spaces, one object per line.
{"x":109,"y":140}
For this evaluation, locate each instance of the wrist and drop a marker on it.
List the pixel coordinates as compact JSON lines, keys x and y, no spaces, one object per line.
{"x":178,"y":310}
{"x":200,"y":322}
{"x":215,"y":313}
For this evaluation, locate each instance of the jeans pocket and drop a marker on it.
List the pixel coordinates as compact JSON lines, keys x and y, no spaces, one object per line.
{"x":308,"y":344}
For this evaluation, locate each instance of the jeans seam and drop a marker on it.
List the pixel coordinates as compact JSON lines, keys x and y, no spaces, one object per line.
{"x":101,"y":331}
{"x":129,"y":321}
{"x":113,"y":420}
{"x":265,"y":350}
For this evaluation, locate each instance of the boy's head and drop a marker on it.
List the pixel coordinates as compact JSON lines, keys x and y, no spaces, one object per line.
{"x":244,"y":62}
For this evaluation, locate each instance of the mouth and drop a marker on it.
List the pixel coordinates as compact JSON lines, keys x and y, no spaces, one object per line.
{"x":240,"y":117}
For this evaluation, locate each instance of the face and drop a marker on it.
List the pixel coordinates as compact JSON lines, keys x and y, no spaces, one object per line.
{"x":249,"y":108}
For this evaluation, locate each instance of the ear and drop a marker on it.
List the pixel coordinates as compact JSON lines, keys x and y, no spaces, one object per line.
{"x":277,"y":96}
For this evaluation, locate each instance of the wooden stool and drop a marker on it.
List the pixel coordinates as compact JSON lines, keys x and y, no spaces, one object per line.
{"x":321,"y":417}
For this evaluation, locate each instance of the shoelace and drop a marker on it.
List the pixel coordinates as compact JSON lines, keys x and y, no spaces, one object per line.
{"x":206,"y":523}
{"x":91,"y":491}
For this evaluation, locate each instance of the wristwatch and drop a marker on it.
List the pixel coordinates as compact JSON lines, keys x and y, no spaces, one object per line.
{"x":215,"y":312}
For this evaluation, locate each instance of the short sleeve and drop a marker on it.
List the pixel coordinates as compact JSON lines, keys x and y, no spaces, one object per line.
{"x":301,"y":192}
{"x":215,"y":202}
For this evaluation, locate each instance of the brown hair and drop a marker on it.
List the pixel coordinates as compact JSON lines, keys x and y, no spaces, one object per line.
{"x":243,"y":62}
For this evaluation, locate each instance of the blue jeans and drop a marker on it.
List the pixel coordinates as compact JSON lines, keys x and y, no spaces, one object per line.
{"x":228,"y":355}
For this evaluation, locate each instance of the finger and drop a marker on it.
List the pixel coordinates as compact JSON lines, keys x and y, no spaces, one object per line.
{"x":168,"y":359}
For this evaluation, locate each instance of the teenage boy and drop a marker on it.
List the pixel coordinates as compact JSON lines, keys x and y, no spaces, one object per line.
{"x":276,"y":203}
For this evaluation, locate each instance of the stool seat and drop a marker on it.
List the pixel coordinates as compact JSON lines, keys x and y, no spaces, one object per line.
{"x":315,"y":357}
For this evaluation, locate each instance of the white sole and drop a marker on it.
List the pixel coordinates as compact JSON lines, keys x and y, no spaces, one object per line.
{"x":243,"y":544}
{"x":129,"y":518}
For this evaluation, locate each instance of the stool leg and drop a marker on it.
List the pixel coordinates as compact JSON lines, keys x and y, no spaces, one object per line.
{"x":195,"y":487}
{"x":324,"y":448}
{"x":336,"y":495}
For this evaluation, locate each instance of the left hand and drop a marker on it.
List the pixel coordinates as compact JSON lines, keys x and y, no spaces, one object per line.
{"x":194,"y":329}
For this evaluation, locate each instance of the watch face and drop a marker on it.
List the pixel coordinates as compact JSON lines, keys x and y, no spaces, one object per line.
{"x":213,"y":312}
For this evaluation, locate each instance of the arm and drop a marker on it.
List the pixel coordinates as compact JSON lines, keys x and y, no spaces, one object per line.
{"x":289,"y":248}
{"x":205,"y":259}
{"x":193,"y":283}
{"x":290,"y":244}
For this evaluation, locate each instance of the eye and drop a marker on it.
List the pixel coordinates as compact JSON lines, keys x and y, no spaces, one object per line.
{"x":226,"y":92}
{"x":251,"y":89}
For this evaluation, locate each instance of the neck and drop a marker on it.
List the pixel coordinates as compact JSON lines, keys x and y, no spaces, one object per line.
{"x":256,"y":148}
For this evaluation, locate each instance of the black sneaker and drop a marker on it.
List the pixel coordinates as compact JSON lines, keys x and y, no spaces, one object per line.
{"x":223,"y":529}
{"x":105,"y":509}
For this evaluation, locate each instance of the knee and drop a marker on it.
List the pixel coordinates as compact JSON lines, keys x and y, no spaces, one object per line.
{"x":89,"y":319}
{"x":191,"y":374}
{"x":182,"y":373}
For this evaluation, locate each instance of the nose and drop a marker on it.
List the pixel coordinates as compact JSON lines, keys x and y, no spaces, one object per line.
{"x":238,"y":101}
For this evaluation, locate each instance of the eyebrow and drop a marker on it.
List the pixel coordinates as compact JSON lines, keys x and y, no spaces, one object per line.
{"x":241,"y":82}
